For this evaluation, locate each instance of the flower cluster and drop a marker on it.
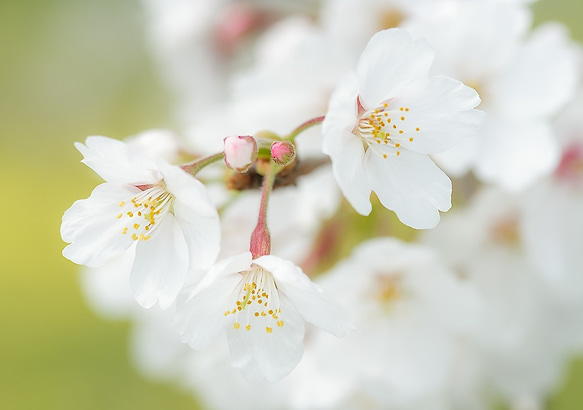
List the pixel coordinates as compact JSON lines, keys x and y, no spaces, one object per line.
{"x":253,"y":225}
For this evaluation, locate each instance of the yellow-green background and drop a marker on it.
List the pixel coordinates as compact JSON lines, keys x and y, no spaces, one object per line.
{"x":69,"y":69}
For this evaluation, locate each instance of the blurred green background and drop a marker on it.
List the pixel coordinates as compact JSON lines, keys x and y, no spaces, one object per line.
{"x":69,"y":69}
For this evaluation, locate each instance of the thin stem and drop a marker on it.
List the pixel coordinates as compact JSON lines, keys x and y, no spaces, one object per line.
{"x":261,"y":238}
{"x":303,"y":127}
{"x":195,"y":166}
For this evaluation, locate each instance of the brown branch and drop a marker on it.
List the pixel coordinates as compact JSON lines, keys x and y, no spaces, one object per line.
{"x":288,"y":176}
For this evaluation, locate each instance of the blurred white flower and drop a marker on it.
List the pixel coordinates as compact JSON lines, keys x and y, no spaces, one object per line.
{"x":353,"y":22}
{"x":524,"y":79}
{"x":263,"y":304}
{"x":384,"y":121}
{"x":156,"y":143}
{"x":524,"y":337}
{"x":159,"y":208}
{"x":411,"y":313}
{"x":553,"y":221}
{"x":294,"y":72}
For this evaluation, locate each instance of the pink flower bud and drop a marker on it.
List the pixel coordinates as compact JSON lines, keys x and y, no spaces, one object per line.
{"x":240,"y":152}
{"x":283,"y":152}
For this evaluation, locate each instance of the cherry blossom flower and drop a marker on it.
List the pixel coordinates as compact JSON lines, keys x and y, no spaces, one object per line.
{"x":406,"y":347}
{"x":525,"y":78}
{"x":263,"y":304}
{"x":384,"y":121}
{"x":158,"y":208}
{"x":526,"y":333}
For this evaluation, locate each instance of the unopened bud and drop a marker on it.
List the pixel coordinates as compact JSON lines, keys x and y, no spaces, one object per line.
{"x":240,"y":152}
{"x":283,"y":152}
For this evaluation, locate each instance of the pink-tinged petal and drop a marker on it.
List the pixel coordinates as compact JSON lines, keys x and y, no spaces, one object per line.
{"x":439,"y":117}
{"x":342,"y":112}
{"x":160,"y":266}
{"x":266,"y":351}
{"x":93,"y":227}
{"x":542,"y":76}
{"x":391,"y":61}
{"x":411,"y":185}
{"x":114,"y":161}
{"x":305,"y":296}
{"x":348,"y":168}
{"x":516,"y":154}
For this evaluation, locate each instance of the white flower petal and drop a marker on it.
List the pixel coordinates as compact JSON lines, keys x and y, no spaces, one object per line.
{"x":196,"y":214}
{"x":200,"y":316}
{"x":348,"y":168}
{"x":160,"y":266}
{"x":307,"y":297}
{"x":268,"y":355}
{"x":114,"y":161}
{"x":202,"y":236}
{"x":92,"y":227}
{"x":440,"y":116}
{"x":391,"y":60}
{"x":342,"y":112}
{"x":411,"y":185}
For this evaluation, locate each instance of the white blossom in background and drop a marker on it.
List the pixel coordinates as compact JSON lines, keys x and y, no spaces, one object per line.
{"x":157,"y":144}
{"x":200,"y":44}
{"x":524,"y":79}
{"x":523,"y":340}
{"x":383,"y":122}
{"x":411,"y":314}
{"x":353,"y":22}
{"x":262,"y":304}
{"x":553,"y":221}
{"x":296,"y":68}
{"x":156,"y":207}
{"x":107,"y":288}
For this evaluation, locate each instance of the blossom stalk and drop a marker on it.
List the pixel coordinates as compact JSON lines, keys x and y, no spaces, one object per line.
{"x":195,"y":166}
{"x":260,"y":238}
{"x":304,"y":127}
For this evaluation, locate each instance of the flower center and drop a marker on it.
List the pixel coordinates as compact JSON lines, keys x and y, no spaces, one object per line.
{"x":384,"y":130}
{"x":389,"y":289}
{"x":506,"y":231}
{"x":257,"y":302}
{"x":144,"y":211}
{"x":389,"y":18}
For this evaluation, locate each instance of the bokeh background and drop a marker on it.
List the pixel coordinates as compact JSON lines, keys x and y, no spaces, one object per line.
{"x":69,"y":69}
